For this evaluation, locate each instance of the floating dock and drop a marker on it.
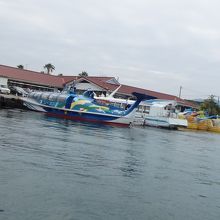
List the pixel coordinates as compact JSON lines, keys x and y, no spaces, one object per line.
{"x":11,"y":101}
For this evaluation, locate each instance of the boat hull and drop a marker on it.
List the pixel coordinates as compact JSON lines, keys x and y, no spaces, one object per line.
{"x":122,"y":121}
{"x":164,"y":122}
{"x":212,"y":125}
{"x":88,"y":117}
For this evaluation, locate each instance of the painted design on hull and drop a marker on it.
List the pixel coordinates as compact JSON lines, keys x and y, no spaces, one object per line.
{"x":88,"y":106}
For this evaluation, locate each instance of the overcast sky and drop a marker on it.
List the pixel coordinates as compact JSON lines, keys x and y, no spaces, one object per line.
{"x":154,"y":44}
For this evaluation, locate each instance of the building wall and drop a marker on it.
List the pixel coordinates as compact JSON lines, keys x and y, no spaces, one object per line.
{"x":3,"y":81}
{"x":30,"y":86}
{"x":84,"y":86}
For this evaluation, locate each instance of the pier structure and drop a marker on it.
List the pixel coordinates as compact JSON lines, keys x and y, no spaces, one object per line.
{"x":11,"y":101}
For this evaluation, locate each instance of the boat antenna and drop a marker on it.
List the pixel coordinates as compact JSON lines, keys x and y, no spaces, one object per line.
{"x":113,"y":93}
{"x":180,"y":91}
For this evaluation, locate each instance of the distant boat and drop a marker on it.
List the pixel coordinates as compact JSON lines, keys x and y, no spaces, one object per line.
{"x":82,"y":107}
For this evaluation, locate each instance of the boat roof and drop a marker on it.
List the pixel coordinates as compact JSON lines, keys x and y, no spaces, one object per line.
{"x":155,"y":102}
{"x":159,"y":102}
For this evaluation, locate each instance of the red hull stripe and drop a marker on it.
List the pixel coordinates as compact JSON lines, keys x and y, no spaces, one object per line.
{"x":78,"y":118}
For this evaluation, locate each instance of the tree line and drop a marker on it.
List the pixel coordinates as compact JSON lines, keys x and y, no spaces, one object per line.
{"x":211,"y":106}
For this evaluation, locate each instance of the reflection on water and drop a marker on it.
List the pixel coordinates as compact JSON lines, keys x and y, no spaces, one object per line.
{"x":58,"y":169}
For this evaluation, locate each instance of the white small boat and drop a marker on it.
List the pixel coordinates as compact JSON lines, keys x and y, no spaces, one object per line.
{"x":157,"y":113}
{"x":164,"y":113}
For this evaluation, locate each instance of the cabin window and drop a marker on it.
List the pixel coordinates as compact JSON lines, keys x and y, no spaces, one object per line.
{"x":31,"y":95}
{"x":146,"y":109}
{"x":36,"y":95}
{"x":140,"y":108}
{"x":118,"y":105}
{"x":53,"y":98}
{"x":61,"y":98}
{"x":45,"y":96}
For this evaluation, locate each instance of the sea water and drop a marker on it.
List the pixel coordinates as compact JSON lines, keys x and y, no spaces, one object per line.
{"x":58,"y":169}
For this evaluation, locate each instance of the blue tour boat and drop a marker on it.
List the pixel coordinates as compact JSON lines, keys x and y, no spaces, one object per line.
{"x":84,"y":107}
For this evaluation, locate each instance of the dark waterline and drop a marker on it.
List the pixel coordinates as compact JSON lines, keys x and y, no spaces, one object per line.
{"x":56,"y":169}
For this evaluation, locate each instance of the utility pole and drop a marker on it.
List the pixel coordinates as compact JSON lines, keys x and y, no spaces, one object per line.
{"x":180,"y":91}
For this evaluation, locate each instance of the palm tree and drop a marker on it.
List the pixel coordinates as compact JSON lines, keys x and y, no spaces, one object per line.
{"x":83,"y":73}
{"x":20,"y":67}
{"x":50,"y":67}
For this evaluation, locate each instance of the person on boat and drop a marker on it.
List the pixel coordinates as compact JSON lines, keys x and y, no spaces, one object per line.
{"x":72,"y":87}
{"x":127,"y":106}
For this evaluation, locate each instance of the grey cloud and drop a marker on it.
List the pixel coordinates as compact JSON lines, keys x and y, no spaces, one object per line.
{"x":155,"y":44}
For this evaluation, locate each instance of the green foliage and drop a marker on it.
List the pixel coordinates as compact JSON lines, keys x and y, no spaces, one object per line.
{"x":20,"y":67}
{"x":49,"y":67}
{"x":83,"y":73}
{"x":210,"y":106}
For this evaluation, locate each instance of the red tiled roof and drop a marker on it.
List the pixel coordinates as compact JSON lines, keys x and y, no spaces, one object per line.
{"x":100,"y":81}
{"x":34,"y":77}
{"x":128,"y":90}
{"x":31,"y":76}
{"x":67,"y":79}
{"x":125,"y":89}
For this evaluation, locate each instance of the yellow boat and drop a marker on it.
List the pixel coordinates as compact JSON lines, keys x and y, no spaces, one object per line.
{"x":198,"y":121}
{"x":215,"y":126}
{"x":204,"y":124}
{"x":192,"y":125}
{"x":192,"y":122}
{"x":212,"y":125}
{"x":215,"y":129}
